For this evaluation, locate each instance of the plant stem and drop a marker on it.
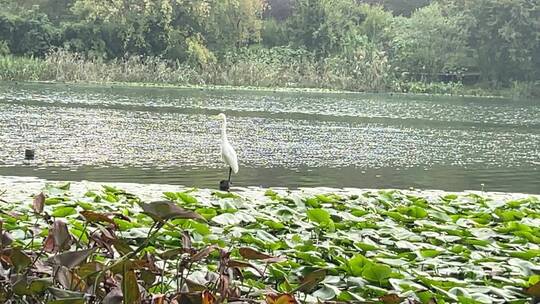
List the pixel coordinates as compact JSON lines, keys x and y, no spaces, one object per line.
{"x":80,"y":236}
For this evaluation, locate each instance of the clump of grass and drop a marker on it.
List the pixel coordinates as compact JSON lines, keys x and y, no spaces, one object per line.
{"x":73,"y":67}
{"x":525,"y":89}
{"x":22,"y":68}
{"x":367,"y":71}
{"x":253,"y":68}
{"x":418,"y":87}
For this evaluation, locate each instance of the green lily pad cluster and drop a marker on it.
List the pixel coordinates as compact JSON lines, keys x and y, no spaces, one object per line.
{"x":367,"y":246}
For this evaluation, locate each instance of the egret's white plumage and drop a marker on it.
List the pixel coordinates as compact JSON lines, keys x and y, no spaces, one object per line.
{"x":227,"y":151}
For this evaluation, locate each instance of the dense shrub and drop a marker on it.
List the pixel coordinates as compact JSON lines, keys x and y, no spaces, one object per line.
{"x":31,"y":34}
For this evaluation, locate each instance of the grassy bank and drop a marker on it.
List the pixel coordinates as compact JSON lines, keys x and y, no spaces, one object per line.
{"x":63,"y":242}
{"x":299,"y":74}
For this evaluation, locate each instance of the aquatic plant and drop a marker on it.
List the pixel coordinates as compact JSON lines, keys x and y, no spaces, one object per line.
{"x":280,"y":247}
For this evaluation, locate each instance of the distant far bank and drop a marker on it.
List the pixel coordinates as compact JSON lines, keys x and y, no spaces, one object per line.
{"x":63,"y":67}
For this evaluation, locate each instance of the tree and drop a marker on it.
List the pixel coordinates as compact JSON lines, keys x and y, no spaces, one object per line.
{"x":30,"y":34}
{"x":404,"y":8}
{"x":326,"y":26}
{"x":235,"y":23}
{"x":376,"y":24}
{"x":429,"y":42}
{"x":279,"y":9}
{"x":172,"y":28}
{"x":505,"y":35}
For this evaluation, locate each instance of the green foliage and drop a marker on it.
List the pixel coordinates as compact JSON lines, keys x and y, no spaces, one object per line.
{"x":326,"y":26}
{"x":13,"y":68}
{"x":273,"y":33}
{"x":453,"y":88}
{"x":365,"y":68}
{"x":4,"y":48}
{"x":235,"y":23}
{"x":138,"y":251}
{"x":428,"y":43}
{"x":404,"y":8}
{"x":377,"y":23}
{"x":525,"y":89}
{"x":341,"y":44}
{"x":29,"y":34}
{"x":505,"y":36}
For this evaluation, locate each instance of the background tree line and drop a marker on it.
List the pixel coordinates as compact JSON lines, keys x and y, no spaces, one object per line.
{"x":361,"y":45}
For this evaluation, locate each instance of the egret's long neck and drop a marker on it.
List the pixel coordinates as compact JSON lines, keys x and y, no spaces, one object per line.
{"x":224,"y":130}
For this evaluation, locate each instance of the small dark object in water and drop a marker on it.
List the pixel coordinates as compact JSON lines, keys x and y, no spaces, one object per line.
{"x":29,"y":154}
{"x":224,"y":185}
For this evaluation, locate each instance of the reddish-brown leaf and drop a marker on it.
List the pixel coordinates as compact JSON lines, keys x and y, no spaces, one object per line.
{"x":61,"y":239}
{"x":285,"y":298}
{"x":208,"y":297}
{"x":158,"y":299}
{"x":71,"y":259}
{"x":186,"y":240}
{"x":39,"y":203}
{"x":166,"y":210}
{"x":240,"y":264}
{"x":93,"y":217}
{"x":252,"y":254}
{"x":391,"y":298}
{"x":114,"y":297}
{"x":194,"y":286}
{"x":68,"y":279}
{"x":224,"y":283}
{"x":5,"y":258}
{"x":48,"y":243}
{"x":204,"y":297}
{"x":102,"y":240}
{"x":203,"y":253}
{"x":311,"y":280}
{"x":5,"y":239}
{"x":129,"y":265}
{"x":533,"y":290}
{"x":172,"y":253}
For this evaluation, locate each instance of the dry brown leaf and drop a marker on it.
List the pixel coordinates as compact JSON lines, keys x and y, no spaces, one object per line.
{"x":252,"y":254}
{"x":285,"y":298}
{"x":391,"y":298}
{"x":39,"y":203}
{"x":533,"y":290}
{"x":92,"y":217}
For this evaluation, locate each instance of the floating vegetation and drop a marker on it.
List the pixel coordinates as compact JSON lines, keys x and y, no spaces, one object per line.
{"x":69,"y":244}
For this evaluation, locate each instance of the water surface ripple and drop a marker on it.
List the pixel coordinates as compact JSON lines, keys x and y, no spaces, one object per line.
{"x":298,"y":139}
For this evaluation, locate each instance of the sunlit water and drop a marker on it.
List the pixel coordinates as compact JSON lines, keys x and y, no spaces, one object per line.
{"x":159,"y":135}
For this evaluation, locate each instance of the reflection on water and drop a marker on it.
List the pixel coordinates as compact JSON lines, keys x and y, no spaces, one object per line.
{"x":282,"y":139}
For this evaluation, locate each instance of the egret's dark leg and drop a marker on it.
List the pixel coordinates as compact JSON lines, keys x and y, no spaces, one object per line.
{"x":230,"y":170}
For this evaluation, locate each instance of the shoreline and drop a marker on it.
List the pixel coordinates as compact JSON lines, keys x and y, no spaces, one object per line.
{"x":212,"y":87}
{"x":33,"y":185}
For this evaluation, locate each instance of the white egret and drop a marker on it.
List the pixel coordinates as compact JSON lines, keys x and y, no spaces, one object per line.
{"x":228,"y":155}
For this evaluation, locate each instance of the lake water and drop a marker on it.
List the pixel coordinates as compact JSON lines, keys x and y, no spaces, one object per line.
{"x":157,"y":135}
